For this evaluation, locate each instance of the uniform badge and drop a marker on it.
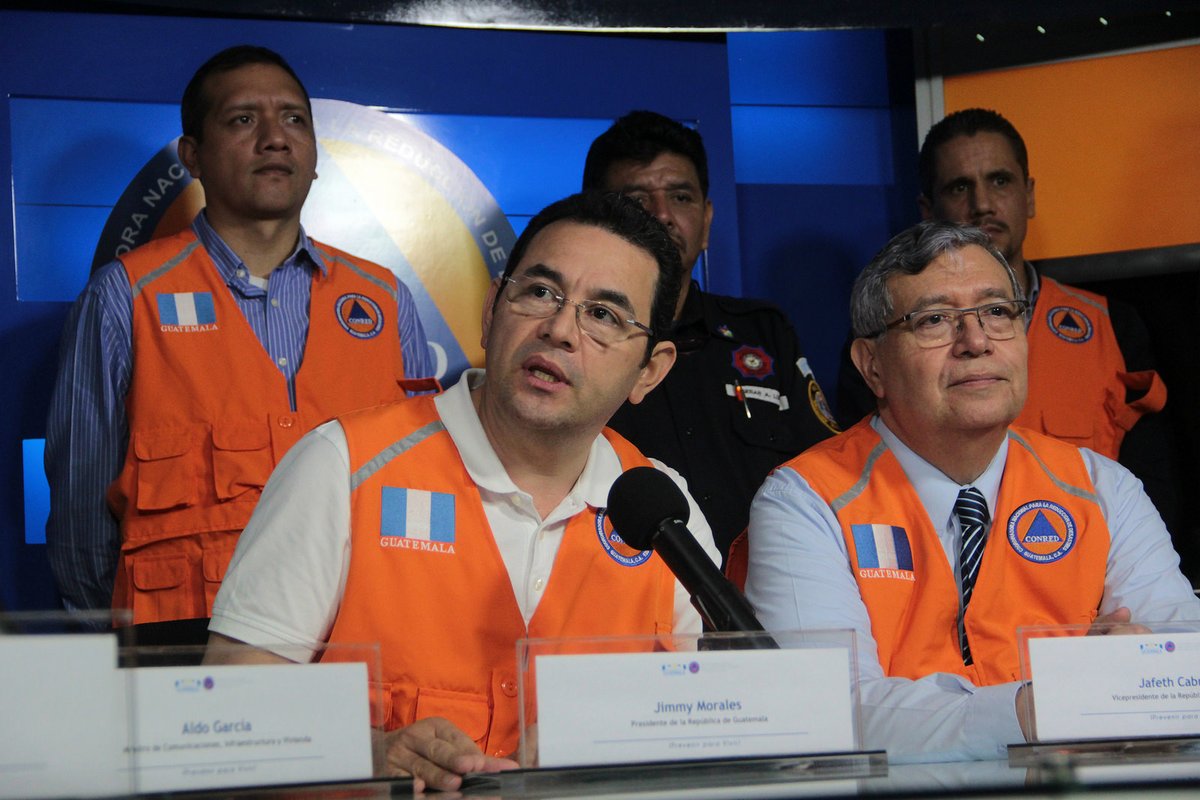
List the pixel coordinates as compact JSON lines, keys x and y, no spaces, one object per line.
{"x":1069,"y":324}
{"x":820,"y":406}
{"x":416,"y":519}
{"x":883,"y":552}
{"x":753,"y":362}
{"x":360,"y":316}
{"x":615,"y":546}
{"x":724,"y":331}
{"x":766,"y":394}
{"x":1041,"y":531}
{"x":186,"y":312}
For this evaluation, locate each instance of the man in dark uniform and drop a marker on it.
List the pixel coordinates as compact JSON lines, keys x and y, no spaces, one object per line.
{"x":741,"y":398}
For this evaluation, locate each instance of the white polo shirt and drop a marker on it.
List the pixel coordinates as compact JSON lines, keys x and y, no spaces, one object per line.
{"x":288,"y":575}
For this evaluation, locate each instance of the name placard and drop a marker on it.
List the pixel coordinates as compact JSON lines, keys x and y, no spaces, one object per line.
{"x":62,"y":717}
{"x":218,"y":726}
{"x":635,"y":707}
{"x":1116,"y":686}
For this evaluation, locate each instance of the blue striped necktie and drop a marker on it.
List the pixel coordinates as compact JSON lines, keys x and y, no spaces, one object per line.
{"x":972,"y":512}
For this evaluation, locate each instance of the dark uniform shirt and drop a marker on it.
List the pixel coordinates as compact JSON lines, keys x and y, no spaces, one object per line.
{"x":739,"y":401}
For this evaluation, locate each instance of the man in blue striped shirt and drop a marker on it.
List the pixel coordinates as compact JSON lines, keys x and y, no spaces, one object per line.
{"x":126,"y":375}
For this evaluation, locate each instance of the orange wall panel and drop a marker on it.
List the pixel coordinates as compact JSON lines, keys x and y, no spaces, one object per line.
{"x":1114,"y":147}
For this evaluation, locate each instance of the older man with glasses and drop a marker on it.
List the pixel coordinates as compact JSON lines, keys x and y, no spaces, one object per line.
{"x":934,"y":529}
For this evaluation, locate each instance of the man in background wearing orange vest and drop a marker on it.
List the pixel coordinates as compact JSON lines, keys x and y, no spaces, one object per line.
{"x":933,"y":529}
{"x":1091,"y":381}
{"x":192,"y":364}
{"x":446,"y":528}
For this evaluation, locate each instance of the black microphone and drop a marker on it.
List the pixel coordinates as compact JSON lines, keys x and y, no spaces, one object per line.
{"x":650,"y":513}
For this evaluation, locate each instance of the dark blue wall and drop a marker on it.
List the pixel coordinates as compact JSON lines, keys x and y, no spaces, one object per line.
{"x":810,"y":138}
{"x":825,"y":142}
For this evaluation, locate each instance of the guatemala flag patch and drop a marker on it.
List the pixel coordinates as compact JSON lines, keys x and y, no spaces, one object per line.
{"x":883,"y":551}
{"x":186,"y":309}
{"x":416,"y":519}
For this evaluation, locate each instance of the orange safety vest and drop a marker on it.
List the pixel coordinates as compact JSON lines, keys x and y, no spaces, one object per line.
{"x":209,"y":414}
{"x":433,"y":590}
{"x":1043,"y":563}
{"x":1077,"y":377}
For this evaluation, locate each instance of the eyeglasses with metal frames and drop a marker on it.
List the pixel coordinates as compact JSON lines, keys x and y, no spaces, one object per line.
{"x":601,"y":322}
{"x":936,"y":327}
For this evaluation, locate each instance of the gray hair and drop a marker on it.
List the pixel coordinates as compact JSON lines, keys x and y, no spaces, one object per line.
{"x":909,"y":253}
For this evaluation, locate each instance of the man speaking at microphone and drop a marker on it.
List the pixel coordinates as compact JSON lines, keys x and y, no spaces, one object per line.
{"x":448,"y":527}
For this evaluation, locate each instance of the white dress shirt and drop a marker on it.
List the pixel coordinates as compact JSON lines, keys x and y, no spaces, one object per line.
{"x":800,"y":577}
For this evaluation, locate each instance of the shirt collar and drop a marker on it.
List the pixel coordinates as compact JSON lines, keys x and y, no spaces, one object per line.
{"x":462,"y":423}
{"x":1035,"y":283}
{"x":935,"y":489}
{"x":228,"y":262}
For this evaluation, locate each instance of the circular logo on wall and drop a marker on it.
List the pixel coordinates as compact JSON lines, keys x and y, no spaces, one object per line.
{"x":615,"y":546}
{"x":1069,"y":324}
{"x":388,"y":192}
{"x":1041,"y":531}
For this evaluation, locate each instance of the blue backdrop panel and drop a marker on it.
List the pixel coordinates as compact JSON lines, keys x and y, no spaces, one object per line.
{"x":781,"y":144}
{"x":55,"y":267}
{"x":808,"y":68}
{"x":527,"y":162}
{"x":37,"y":492}
{"x":83,"y":152}
{"x":803,"y":247}
{"x":825,"y":161}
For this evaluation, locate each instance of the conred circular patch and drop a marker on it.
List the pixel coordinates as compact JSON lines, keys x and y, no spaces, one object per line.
{"x":1070,"y":324}
{"x":1041,"y":531}
{"x":360,"y":315}
{"x":615,"y":546}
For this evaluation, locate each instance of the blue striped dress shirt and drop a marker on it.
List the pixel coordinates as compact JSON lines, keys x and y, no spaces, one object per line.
{"x":87,"y":432}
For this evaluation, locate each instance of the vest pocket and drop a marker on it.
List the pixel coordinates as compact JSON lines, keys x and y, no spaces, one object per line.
{"x":166,"y":468}
{"x":242,"y":459}
{"x":767,"y":427}
{"x":1073,"y":426}
{"x":471,"y":713}
{"x":161,"y":588}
